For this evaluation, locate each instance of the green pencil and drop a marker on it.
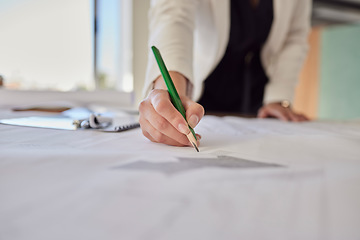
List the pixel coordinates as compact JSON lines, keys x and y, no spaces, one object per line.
{"x":175,"y":99}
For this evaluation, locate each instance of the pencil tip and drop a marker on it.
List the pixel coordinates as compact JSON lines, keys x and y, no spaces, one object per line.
{"x":197,"y":149}
{"x":192,"y":140}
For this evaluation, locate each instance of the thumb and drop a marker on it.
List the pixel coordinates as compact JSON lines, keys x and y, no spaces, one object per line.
{"x":194,"y":112}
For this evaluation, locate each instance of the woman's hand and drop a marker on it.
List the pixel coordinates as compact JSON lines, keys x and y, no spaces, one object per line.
{"x":283,"y":113}
{"x":161,"y":122}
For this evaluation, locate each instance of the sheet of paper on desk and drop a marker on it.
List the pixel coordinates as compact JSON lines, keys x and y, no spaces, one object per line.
{"x":61,"y":122}
{"x":65,"y":121}
{"x":253,"y":179}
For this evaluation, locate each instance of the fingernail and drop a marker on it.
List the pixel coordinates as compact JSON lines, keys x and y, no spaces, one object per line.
{"x":193,"y":121}
{"x":183,"y":128}
{"x":198,"y":136}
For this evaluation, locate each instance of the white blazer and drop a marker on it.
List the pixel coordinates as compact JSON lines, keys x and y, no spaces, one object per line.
{"x":192,"y":36}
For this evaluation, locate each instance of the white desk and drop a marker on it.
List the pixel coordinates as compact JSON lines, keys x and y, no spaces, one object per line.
{"x":88,"y":185}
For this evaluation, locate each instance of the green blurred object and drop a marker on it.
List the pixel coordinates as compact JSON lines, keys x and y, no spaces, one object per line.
{"x":170,"y":86}
{"x":340,"y":73}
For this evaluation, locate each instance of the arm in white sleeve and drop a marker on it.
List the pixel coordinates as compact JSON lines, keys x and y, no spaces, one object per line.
{"x":289,"y":60}
{"x":171,"y":30}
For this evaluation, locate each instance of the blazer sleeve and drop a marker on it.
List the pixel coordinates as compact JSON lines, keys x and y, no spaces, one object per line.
{"x":289,"y":60}
{"x":171,"y":30}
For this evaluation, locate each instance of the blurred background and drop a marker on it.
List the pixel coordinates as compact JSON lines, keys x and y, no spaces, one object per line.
{"x":87,"y":45}
{"x":330,"y":80}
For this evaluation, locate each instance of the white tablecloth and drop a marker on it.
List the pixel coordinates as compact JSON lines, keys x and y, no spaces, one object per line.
{"x":253,"y":179}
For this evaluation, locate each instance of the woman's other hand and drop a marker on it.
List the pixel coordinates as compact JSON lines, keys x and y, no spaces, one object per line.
{"x":277,"y":110}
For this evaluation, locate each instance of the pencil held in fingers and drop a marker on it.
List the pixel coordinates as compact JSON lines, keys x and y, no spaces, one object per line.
{"x":176,"y":101}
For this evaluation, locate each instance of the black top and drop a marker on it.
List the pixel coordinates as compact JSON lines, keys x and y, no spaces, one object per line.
{"x":237,"y":84}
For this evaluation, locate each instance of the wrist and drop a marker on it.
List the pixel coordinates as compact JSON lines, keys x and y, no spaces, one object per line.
{"x":179,"y":80}
{"x":283,"y":103}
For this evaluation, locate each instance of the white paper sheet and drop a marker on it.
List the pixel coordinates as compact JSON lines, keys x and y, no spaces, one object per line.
{"x":292,"y":181}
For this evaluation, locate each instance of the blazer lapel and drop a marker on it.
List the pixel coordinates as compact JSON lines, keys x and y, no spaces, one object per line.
{"x":221,"y":11}
{"x":278,"y":31}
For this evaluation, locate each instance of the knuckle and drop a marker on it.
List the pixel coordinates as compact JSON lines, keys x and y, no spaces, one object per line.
{"x":161,"y":124}
{"x":142,"y":105}
{"x":157,"y":91}
{"x":159,"y":137}
{"x":176,"y":119}
{"x":147,"y":135}
{"x":160,"y":105}
{"x":153,"y":93}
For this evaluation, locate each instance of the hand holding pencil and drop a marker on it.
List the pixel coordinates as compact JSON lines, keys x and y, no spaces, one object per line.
{"x":161,"y":121}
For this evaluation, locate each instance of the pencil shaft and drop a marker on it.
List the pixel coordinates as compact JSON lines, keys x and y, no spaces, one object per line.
{"x":175,"y":98}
